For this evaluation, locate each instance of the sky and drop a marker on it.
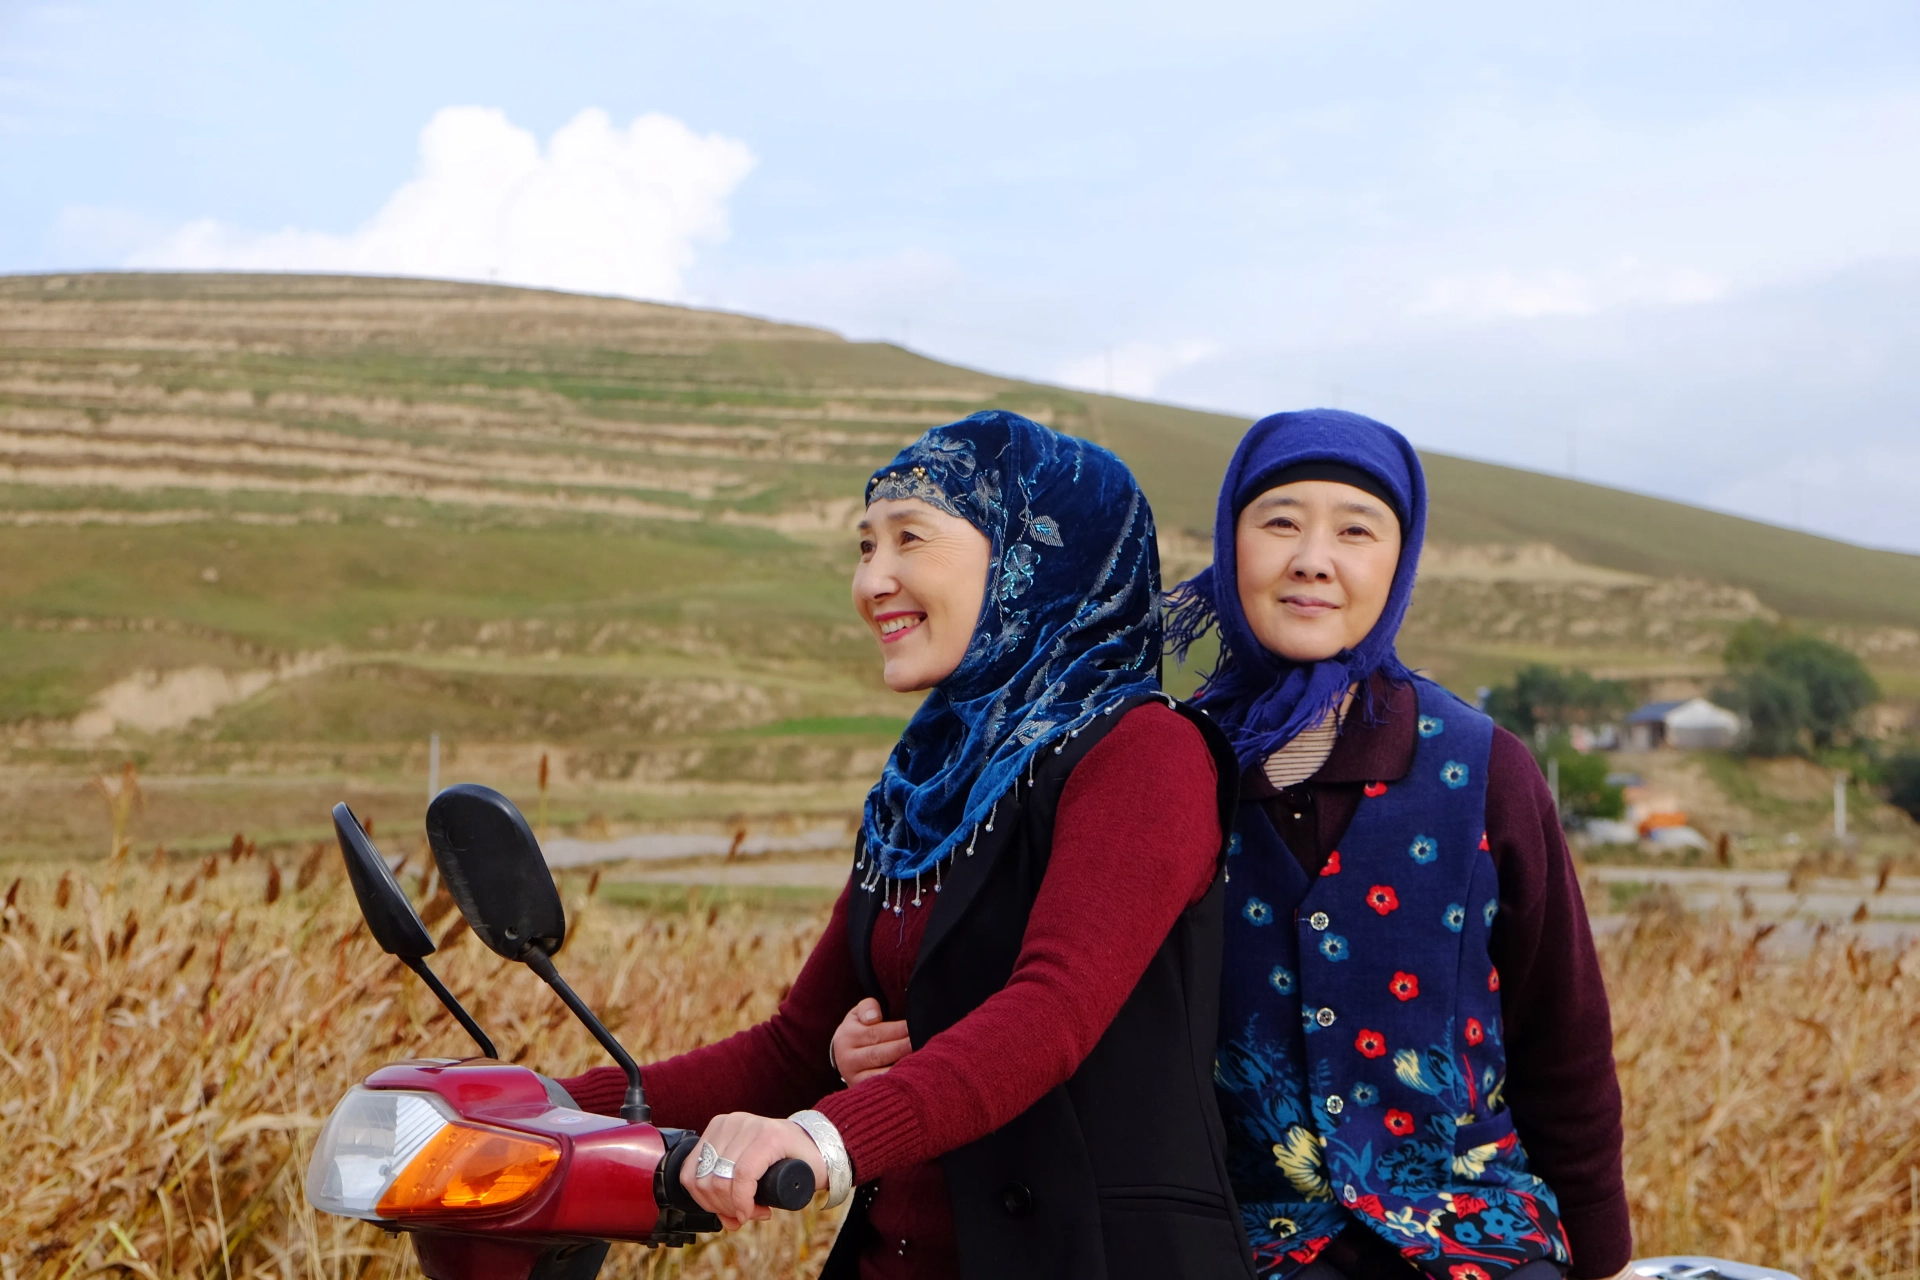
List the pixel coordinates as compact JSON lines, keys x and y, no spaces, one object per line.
{"x":1673,"y":247}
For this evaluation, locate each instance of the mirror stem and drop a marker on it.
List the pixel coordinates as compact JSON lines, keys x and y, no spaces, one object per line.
{"x":445,"y":996}
{"x":634,"y":1110}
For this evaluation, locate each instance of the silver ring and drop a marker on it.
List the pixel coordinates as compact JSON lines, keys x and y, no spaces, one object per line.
{"x":723,"y":1169}
{"x":708,"y":1159}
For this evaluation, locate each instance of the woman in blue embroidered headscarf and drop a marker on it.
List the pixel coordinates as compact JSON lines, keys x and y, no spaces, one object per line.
{"x":1030,"y":937}
{"x":1415,"y":1061}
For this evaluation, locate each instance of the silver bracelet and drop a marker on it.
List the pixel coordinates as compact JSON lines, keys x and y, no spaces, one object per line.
{"x":832,"y":1151}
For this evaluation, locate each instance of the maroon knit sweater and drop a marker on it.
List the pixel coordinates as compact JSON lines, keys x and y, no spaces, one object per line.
{"x":1134,"y":844}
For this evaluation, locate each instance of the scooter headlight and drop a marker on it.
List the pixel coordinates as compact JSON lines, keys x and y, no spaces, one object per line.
{"x":389,"y":1153}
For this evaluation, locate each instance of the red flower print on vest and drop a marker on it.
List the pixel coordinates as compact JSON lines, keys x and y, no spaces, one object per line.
{"x":1374,"y":790}
{"x":1310,"y":1250}
{"x":1484,"y":847}
{"x":1465,"y":1206}
{"x":1467,"y":1271}
{"x":1493,"y":979}
{"x":1383,"y":899}
{"x":1333,"y":864}
{"x":1404,"y":985}
{"x":1371,"y":1044}
{"x":1399,"y":1122}
{"x":1474,"y":1033}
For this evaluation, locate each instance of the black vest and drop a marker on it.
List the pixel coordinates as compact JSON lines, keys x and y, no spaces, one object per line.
{"x":1121,"y":1171}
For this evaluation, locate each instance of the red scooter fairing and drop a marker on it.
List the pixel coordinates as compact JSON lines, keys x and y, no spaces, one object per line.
{"x":489,"y":1166}
{"x":602,"y":1184}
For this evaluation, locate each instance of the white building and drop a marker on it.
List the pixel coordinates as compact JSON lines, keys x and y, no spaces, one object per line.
{"x":1692,"y":725}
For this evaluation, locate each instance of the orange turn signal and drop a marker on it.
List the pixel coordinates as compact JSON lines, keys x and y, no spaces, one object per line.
{"x":464,"y":1167}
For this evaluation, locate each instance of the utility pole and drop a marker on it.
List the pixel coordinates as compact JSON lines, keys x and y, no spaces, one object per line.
{"x":433,"y":767}
{"x":1553,"y":781}
{"x":1840,"y":805}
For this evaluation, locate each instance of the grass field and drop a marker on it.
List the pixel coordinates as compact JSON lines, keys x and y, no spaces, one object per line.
{"x":263,"y":535}
{"x":175,"y":1040}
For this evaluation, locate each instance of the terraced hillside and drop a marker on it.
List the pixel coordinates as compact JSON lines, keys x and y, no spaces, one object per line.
{"x":265,"y":534}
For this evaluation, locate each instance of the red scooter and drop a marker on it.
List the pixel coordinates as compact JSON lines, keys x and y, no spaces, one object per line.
{"x":490,"y":1167}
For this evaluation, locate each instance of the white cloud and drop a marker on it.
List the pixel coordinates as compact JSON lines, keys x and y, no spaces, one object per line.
{"x":1504,"y":293}
{"x":600,"y":209}
{"x":1134,"y":368}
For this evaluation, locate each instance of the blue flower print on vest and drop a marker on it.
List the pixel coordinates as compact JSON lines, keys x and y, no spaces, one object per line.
{"x":1257,"y":912}
{"x":1368,"y":1087}
{"x":1273,"y":1153}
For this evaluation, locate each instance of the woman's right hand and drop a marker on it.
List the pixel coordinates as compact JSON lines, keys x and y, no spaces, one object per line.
{"x":865,"y":1046}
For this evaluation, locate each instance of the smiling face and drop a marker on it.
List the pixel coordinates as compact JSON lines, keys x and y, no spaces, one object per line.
{"x":1316,"y":564}
{"x":919,"y":587}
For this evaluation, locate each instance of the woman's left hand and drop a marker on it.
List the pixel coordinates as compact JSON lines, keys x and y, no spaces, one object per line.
{"x":754,"y":1144}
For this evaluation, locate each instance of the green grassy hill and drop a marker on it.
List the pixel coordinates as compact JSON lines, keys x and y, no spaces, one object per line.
{"x":266,"y":533}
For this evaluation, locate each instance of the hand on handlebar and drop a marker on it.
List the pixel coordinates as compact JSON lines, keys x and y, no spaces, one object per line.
{"x":754,"y":1144}
{"x":865,"y":1046}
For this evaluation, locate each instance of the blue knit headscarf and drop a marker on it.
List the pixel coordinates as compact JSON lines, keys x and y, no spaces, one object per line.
{"x":1260,"y":699}
{"x":1069,"y":627}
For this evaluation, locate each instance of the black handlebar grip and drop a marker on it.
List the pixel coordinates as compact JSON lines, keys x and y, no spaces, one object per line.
{"x":787,"y":1185}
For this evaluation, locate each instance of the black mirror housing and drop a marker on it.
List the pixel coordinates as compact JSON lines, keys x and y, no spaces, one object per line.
{"x":391,"y":919}
{"x":389,"y":916}
{"x":494,"y":870}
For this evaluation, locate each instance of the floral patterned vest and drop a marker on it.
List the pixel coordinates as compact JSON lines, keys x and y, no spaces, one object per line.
{"x":1360,"y":1068}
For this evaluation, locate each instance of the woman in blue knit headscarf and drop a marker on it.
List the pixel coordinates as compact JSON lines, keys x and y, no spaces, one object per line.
{"x":1262,"y":698}
{"x":1030,"y":937}
{"x":1415,"y":1062}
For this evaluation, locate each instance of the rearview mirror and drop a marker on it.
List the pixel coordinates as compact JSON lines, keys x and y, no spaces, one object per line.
{"x":497,"y":876}
{"x":391,"y":919}
{"x":493,"y":868}
{"x":389,"y":916}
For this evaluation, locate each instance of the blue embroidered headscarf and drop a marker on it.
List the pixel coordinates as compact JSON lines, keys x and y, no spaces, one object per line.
{"x":1070,"y":624}
{"x":1260,"y":699}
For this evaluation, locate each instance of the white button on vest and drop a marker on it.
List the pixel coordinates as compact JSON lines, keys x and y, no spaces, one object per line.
{"x":1334,"y":1105}
{"x":1349,"y":1193}
{"x":1324,"y":1017}
{"x":1319,"y":920}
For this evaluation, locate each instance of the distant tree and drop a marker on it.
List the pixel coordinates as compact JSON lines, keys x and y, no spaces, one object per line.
{"x":1777,"y":709}
{"x":1543,"y":697}
{"x":1795,"y":690}
{"x":1902,"y":774}
{"x":1584,"y":789}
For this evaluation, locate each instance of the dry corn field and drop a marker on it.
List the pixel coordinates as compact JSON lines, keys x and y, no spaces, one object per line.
{"x":174,"y":1035}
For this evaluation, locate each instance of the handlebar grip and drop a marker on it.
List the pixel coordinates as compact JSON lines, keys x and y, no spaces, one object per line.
{"x":787,"y":1185}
